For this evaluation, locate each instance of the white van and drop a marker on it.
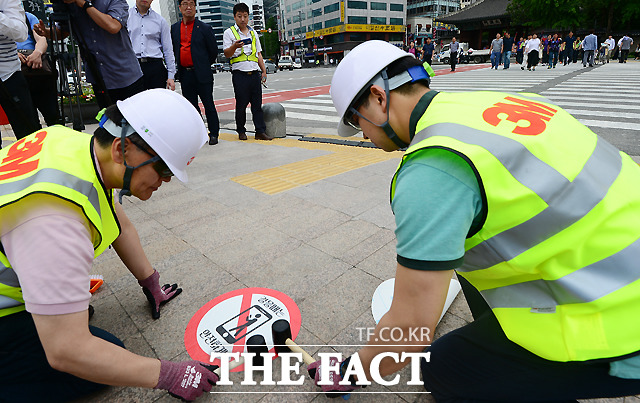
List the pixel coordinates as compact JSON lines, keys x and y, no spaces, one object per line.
{"x":285,"y":62}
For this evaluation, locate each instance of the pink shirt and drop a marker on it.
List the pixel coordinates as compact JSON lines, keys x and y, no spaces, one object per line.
{"x":49,"y":243}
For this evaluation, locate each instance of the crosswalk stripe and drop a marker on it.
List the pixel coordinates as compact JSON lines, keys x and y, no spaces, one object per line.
{"x":586,"y":89}
{"x":307,"y":107}
{"x":592,"y":107}
{"x":609,"y":124}
{"x":312,"y":116}
{"x":621,"y":115}
{"x":314,"y":101}
{"x":581,"y":95}
{"x":579,"y":99}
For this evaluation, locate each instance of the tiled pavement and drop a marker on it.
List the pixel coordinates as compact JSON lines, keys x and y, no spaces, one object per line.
{"x":328,"y":244}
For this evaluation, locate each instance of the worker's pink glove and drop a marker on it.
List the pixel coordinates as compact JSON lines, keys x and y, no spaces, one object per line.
{"x":334,"y":389}
{"x":158,"y":295}
{"x":186,"y":380}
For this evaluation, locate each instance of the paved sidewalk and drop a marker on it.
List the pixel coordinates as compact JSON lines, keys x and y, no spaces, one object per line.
{"x":325,"y":241}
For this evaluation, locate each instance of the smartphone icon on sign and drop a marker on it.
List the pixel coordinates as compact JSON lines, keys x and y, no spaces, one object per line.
{"x":247,"y":322}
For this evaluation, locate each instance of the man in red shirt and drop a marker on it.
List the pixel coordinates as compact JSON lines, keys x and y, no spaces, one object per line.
{"x":196,"y":48}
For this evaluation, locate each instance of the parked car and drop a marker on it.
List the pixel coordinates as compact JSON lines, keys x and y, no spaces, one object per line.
{"x":297,"y":64}
{"x":216,"y":67}
{"x":270,"y":66}
{"x":226,"y":67}
{"x":285,"y":62}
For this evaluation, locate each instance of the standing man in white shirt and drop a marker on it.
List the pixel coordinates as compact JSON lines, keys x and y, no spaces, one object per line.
{"x":611,"y":47}
{"x":14,"y":92}
{"x":242,"y":46}
{"x":151,"y":40}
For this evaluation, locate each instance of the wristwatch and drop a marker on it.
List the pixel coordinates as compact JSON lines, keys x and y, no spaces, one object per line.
{"x":87,"y":4}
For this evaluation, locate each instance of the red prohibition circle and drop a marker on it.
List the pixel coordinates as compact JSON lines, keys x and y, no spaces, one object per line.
{"x":193,"y":346}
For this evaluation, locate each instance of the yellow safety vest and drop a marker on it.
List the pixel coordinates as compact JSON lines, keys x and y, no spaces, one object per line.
{"x":252,"y":57}
{"x":56,"y":161}
{"x":557,"y":255}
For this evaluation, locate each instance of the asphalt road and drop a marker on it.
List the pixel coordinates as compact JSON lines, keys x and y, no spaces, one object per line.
{"x":605,"y":98}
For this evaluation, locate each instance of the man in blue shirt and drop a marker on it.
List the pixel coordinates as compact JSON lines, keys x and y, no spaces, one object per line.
{"x":427,"y":50}
{"x":151,"y":40}
{"x":589,"y":45}
{"x":100,"y":27}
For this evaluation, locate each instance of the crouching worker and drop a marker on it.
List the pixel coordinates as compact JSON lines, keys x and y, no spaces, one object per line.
{"x":537,"y":214}
{"x":57,"y":213}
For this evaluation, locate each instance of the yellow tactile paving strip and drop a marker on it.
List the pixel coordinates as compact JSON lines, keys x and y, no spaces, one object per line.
{"x":342,"y":159}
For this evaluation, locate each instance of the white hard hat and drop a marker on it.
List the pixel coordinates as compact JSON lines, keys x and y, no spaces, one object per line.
{"x":355,"y":71}
{"x":170,"y":125}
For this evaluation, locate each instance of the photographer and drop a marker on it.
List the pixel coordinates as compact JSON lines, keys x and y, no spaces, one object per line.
{"x":14,"y":93}
{"x":100,"y":28}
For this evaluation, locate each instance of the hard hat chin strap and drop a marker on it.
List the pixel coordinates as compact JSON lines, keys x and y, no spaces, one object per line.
{"x":388,"y":130}
{"x":128,"y":172}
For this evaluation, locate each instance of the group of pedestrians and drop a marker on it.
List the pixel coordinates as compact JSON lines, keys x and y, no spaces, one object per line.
{"x":552,"y":50}
{"x":126,"y":51}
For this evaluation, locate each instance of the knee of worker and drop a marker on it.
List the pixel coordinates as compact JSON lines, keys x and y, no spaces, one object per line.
{"x":103,"y":334}
{"x":439,"y":373}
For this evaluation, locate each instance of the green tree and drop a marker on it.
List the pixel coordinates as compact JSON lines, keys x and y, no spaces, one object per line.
{"x":269,"y":40}
{"x":571,"y":14}
{"x":560,"y":14}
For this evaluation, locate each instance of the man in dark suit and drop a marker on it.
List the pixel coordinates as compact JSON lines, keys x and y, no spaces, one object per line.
{"x":195,"y":48}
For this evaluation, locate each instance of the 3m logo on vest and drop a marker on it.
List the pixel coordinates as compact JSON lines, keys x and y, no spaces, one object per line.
{"x":536,"y":114}
{"x":17,"y":162}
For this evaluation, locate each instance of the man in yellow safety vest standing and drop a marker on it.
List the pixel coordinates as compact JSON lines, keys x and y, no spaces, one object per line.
{"x":536,"y":213}
{"x":242,"y":46}
{"x":57,"y":212}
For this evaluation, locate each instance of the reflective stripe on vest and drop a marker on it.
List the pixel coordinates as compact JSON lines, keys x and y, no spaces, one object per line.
{"x":556,"y":257}
{"x":242,"y":57}
{"x":56,"y":161}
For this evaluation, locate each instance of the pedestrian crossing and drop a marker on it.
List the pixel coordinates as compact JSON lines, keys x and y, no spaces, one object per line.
{"x":604,"y":98}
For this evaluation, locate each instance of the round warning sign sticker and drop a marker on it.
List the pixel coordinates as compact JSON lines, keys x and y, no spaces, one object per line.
{"x":224,"y":324}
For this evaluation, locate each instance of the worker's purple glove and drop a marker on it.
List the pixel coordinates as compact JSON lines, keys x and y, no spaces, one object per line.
{"x":186,"y":380}
{"x":335,"y":389}
{"x":158,"y":295}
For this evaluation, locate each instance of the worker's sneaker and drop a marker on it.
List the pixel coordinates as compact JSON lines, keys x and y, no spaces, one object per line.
{"x":262,"y":136}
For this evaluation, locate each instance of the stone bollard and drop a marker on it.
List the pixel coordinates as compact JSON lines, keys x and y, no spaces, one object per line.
{"x":275,"y":119}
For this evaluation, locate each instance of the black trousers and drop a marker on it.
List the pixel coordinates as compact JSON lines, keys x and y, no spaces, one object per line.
{"x":533,"y":59}
{"x":453,"y":59}
{"x":477,"y":363}
{"x":192,"y":89}
{"x":247,"y":89}
{"x":44,"y":95}
{"x":16,"y":102}
{"x":154,"y":74}
{"x":623,"y":55}
{"x":25,"y":374}
{"x":119,"y":94}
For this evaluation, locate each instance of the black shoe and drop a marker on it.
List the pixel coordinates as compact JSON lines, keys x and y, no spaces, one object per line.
{"x":262,"y":136}
{"x":213,"y":141}
{"x":242,"y":136}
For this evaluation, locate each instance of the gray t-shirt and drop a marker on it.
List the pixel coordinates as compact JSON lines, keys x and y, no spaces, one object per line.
{"x":496,"y":45}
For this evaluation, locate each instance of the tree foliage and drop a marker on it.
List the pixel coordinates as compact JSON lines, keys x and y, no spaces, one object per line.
{"x":571,"y":14}
{"x":270,"y":43}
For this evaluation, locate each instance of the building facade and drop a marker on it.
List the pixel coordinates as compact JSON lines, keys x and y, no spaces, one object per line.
{"x":324,"y":29}
{"x":432,"y":8}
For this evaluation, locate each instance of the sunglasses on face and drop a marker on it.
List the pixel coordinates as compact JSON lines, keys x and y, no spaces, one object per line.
{"x":159,"y":166}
